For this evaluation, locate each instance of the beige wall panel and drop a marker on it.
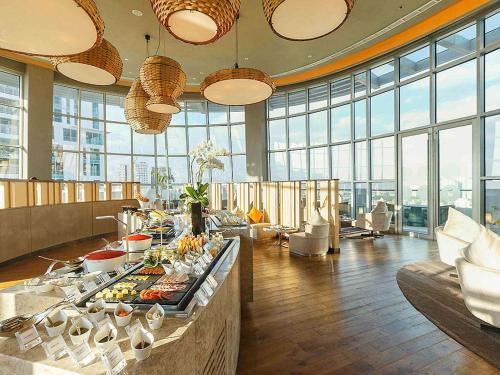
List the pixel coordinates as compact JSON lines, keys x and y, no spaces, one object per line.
{"x":14,"y":233}
{"x":57,"y":224}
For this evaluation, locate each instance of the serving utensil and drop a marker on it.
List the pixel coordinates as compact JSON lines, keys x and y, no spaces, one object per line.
{"x":70,"y":262}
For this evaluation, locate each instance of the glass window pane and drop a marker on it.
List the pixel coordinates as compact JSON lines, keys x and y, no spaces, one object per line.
{"x":414,"y":63}
{"x":341,"y":162}
{"x":9,"y":162}
{"x":276,"y":106}
{"x":345,"y":199}
{"x":384,"y":191}
{"x":223,"y":175}
{"x":196,"y":136}
{"x":297,"y":131}
{"x":92,"y":105}
{"x":382,"y":159}
{"x":118,"y":168}
{"x":176,"y":138}
{"x":456,"y":45}
{"x":360,"y":84}
{"x":278,"y":166}
{"x":237,"y":114}
{"x":492,"y":29}
{"x":161,"y":145}
{"x":340,"y":90}
{"x":456,"y":92}
{"x":217,"y":114}
{"x":298,"y":165}
{"x":340,"y":119}
{"x":115,"y":108}
{"x":9,"y":125}
{"x":318,"y":128}
{"x":219,"y":134}
{"x":10,"y":89}
{"x":179,"y":168}
{"x":318,"y":97}
{"x":382,"y":113}
{"x":319,"y":165}
{"x":64,"y":132}
{"x":360,"y":198}
{"x":382,"y":76}
{"x":360,"y":119}
{"x":64,"y":165}
{"x":91,"y":135}
{"x":144,"y":144}
{"x":196,"y":113}
{"x":414,"y":104}
{"x":143,"y":168}
{"x":239,"y":168}
{"x":296,"y":102}
{"x":492,"y":205}
{"x":492,"y":80}
{"x":180,"y":117}
{"x":91,"y":166}
{"x":492,"y":146}
{"x":277,"y":134}
{"x":238,"y":144}
{"x":361,"y":161}
{"x":65,"y":100}
{"x":118,"y":138}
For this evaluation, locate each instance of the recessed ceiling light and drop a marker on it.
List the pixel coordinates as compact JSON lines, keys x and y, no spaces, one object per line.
{"x":202,"y":73}
{"x":125,"y":59}
{"x":246,"y":58}
{"x":136,"y":12}
{"x":129,"y":72}
{"x":310,"y":56}
{"x":194,"y":78}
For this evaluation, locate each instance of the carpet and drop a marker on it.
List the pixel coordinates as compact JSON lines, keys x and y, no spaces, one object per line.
{"x":429,"y":287}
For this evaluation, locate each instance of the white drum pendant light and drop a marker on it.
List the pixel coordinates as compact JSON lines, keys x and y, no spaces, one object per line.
{"x":237,"y":86}
{"x":196,"y":21}
{"x":306,"y":20}
{"x":50,"y":27}
{"x":101,"y":65}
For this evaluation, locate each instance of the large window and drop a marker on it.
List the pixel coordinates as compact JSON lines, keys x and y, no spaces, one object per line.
{"x":10,"y":125}
{"x":92,"y":141}
{"x":357,"y":118}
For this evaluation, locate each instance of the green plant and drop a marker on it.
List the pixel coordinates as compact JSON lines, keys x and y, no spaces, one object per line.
{"x":195,"y":195}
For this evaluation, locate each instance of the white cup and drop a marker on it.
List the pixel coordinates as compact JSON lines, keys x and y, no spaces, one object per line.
{"x":122,"y":321}
{"x":100,"y":305}
{"x":106,"y":330}
{"x":168,"y":268}
{"x":59,"y":316}
{"x":76,"y":338}
{"x":155,"y":316}
{"x":142,"y":336}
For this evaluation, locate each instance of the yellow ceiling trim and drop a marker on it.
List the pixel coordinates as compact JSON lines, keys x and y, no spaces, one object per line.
{"x":449,"y":14}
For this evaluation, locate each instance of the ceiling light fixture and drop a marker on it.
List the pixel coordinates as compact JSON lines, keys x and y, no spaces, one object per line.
{"x":137,"y":12}
{"x":164,"y":81}
{"x":101,"y":65}
{"x":196,"y":22}
{"x":50,"y":27}
{"x":140,"y":119}
{"x":237,"y":86}
{"x":301,"y":20}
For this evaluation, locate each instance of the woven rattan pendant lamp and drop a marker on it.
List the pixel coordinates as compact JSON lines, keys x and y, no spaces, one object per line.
{"x":196,"y":21}
{"x":101,"y":65}
{"x":237,"y":86}
{"x":140,"y":119}
{"x":306,"y":20}
{"x":50,"y":27}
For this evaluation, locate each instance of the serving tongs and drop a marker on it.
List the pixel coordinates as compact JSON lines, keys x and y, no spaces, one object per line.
{"x":9,"y":327}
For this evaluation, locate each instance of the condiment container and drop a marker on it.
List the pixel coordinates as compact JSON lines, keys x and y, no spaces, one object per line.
{"x":155,"y":316}
{"x":142,"y":344}
{"x":122,"y":321}
{"x":58,"y":325}
{"x":105,"y":337}
{"x":79,"y":332}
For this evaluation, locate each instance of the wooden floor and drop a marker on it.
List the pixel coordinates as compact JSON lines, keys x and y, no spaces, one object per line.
{"x":344,"y":314}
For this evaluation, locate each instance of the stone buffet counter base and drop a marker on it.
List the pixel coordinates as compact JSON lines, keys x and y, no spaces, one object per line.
{"x":205,"y":343}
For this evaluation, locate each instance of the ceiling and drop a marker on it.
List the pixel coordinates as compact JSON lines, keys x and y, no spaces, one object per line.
{"x":259,"y":47}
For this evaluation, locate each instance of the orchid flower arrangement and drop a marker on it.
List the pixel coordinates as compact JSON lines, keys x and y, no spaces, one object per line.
{"x":204,"y":157}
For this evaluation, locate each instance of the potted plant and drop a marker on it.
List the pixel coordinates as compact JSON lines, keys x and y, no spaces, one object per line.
{"x":203,"y":159}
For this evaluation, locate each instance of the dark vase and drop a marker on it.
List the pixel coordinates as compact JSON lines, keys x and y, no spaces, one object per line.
{"x":197,"y":219}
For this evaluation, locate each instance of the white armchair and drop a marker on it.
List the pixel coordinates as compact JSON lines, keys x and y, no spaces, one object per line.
{"x":458,"y":233}
{"x":378,"y":220}
{"x":314,"y":240}
{"x":479,"y":275}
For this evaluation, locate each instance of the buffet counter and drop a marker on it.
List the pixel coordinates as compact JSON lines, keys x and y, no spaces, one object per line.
{"x":207,"y":342}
